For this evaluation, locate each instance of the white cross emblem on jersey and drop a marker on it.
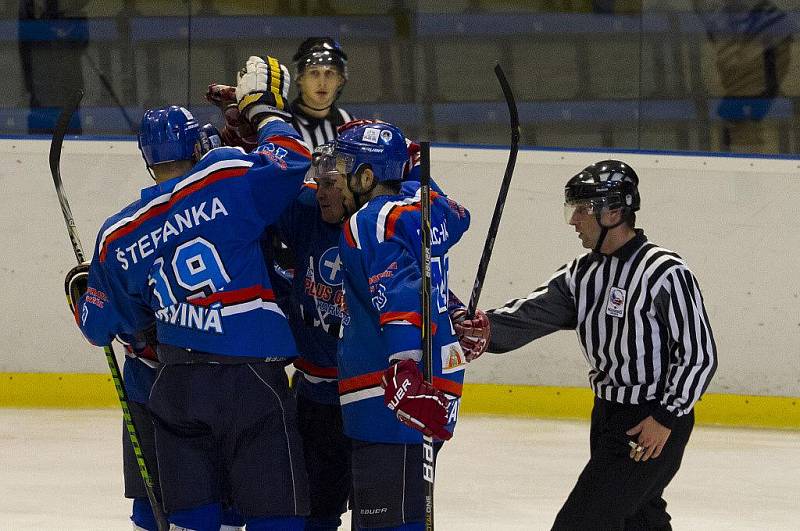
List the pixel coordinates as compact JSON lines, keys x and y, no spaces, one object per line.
{"x":335,"y":266}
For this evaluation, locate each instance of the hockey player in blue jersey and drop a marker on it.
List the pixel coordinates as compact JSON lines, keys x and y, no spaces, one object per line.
{"x":386,"y":404}
{"x":180,"y":135}
{"x":190,"y":255}
{"x":312,"y":227}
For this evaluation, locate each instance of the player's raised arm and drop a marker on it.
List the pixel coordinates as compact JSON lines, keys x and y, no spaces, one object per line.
{"x":281,"y":160}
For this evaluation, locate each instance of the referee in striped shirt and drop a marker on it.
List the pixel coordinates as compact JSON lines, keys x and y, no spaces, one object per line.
{"x":639,"y":316}
{"x":320,"y":76}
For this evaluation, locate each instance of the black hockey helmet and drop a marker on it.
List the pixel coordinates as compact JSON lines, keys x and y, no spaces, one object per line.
{"x":324,"y":51}
{"x":604,"y":185}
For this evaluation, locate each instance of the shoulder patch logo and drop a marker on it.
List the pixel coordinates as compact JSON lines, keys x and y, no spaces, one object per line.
{"x":452,"y":358}
{"x":616,"y":302}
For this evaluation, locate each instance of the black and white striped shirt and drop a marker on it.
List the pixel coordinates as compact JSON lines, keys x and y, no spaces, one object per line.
{"x":640,"y":319}
{"x":318,"y":131}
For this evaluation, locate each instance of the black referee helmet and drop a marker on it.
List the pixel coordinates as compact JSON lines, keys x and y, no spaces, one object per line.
{"x":320,"y":51}
{"x":601,"y":187}
{"x":611,"y":182}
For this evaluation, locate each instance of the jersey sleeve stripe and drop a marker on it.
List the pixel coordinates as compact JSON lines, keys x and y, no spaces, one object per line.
{"x":360,"y":382}
{"x":227,"y":298}
{"x":394,"y":215}
{"x":392,"y":211}
{"x":412,"y":318}
{"x":306,"y":367}
{"x":292,"y":144}
{"x":448,"y":386}
{"x":163,"y":203}
{"x":351,"y":232}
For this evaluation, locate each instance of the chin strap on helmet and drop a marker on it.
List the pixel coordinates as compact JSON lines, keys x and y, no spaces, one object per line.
{"x":604,"y":231}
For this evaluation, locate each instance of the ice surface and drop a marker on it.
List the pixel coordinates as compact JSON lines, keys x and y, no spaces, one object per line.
{"x":61,"y":470}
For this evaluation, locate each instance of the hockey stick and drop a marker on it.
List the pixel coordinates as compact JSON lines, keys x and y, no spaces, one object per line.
{"x":428,"y":456}
{"x":501,"y":197}
{"x":55,"y":169}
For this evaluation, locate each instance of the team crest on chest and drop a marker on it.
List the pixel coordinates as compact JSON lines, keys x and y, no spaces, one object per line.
{"x":616,"y":302}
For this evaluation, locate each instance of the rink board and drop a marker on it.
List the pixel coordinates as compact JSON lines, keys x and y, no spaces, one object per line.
{"x":52,"y":390}
{"x":725,"y":215}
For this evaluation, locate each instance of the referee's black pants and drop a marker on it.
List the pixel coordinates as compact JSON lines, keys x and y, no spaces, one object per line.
{"x":614,"y":492}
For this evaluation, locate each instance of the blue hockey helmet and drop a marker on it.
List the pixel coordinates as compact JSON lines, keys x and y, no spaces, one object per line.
{"x":168,"y":134}
{"x":378,"y":144}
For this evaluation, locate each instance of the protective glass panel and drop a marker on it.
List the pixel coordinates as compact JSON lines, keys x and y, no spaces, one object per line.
{"x":706,"y":75}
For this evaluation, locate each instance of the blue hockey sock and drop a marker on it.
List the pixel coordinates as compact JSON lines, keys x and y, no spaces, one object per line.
{"x":280,"y":523}
{"x":204,"y":518}
{"x":142,"y":514}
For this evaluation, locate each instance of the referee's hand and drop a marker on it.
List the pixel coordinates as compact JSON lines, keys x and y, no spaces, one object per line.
{"x":652,"y":438}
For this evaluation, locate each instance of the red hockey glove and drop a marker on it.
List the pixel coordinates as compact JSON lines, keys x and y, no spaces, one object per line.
{"x":416,"y":403}
{"x":221,"y":95}
{"x":473,"y":334}
{"x":236,"y":132}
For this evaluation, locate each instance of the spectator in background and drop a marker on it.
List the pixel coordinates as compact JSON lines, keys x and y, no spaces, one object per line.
{"x":752,"y":40}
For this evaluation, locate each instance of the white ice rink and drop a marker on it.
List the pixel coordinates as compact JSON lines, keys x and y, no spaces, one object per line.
{"x":61,"y":470}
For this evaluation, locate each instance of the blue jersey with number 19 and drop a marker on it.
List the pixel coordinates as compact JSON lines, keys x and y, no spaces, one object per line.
{"x":188,"y":252}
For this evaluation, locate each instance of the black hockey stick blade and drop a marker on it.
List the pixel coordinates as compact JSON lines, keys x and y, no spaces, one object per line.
{"x":56,"y":143}
{"x":488,"y":245}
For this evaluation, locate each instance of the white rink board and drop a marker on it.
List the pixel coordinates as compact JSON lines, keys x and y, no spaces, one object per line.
{"x":733,"y":219}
